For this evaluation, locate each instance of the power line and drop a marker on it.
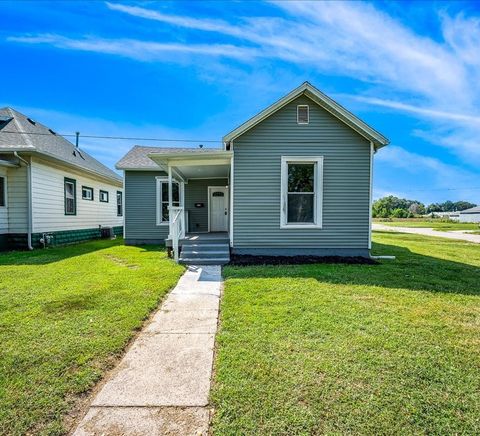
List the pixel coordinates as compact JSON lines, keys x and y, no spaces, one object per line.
{"x":114,"y":137}
{"x":200,"y":141}
{"x":441,"y":189}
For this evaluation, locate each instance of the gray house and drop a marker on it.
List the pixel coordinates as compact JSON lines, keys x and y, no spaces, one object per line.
{"x":296,"y":179}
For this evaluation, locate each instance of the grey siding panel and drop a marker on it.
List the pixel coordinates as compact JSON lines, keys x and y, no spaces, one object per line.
{"x":346,"y":179}
{"x":196,"y":191}
{"x":140,"y":207}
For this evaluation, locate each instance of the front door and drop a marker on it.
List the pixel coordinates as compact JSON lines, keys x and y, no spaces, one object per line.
{"x":218,"y":200}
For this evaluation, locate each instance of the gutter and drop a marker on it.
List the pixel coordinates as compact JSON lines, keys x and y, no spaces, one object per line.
{"x":29,"y":191}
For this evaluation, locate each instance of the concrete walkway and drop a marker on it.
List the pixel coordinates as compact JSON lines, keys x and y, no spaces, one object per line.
{"x":161,"y":386}
{"x":429,"y":232}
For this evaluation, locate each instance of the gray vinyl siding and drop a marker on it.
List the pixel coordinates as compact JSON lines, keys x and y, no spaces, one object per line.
{"x":196,"y":191}
{"x":140,"y":208}
{"x":256,"y":184}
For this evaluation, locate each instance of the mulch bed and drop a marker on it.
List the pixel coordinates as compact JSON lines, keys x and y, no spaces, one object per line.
{"x":247,"y":259}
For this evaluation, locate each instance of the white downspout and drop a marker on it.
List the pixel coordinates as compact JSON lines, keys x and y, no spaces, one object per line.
{"x":370,"y":199}
{"x":29,"y":201}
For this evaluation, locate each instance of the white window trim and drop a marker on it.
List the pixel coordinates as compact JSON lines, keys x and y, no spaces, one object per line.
{"x":308,"y":114}
{"x":318,"y":199}
{"x":159,"y":181}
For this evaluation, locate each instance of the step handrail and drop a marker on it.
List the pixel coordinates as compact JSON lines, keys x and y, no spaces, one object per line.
{"x":177,"y":229}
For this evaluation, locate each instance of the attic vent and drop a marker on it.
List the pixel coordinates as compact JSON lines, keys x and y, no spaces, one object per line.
{"x":52,"y":132}
{"x":302,"y":114}
{"x":31,"y":121}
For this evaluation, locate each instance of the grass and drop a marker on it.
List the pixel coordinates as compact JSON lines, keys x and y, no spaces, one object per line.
{"x":392,"y":348}
{"x":437,"y":224}
{"x":65,"y":315}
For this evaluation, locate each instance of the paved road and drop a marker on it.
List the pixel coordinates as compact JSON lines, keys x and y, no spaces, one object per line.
{"x":429,"y":232}
{"x":161,"y":385}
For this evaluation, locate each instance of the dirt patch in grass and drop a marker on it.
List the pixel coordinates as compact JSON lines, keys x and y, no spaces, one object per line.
{"x":247,"y":260}
{"x":121,"y":262}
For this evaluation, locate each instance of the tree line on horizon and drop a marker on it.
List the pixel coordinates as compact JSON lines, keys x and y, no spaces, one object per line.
{"x":394,"y":207}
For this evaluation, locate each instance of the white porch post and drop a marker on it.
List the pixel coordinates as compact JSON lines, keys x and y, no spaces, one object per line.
{"x":170,"y":202}
{"x":182,"y":205}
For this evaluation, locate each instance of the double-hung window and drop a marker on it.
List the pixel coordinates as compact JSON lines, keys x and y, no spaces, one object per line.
{"x":119,"y":203}
{"x":301,"y":192}
{"x":162,"y":199}
{"x":70,"y":196}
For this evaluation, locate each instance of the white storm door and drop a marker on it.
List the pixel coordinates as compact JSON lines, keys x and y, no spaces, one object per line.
{"x":218,"y":198}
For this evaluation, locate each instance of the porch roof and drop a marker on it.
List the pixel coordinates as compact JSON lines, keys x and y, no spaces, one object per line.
{"x":192,"y":164}
{"x":138,"y":158}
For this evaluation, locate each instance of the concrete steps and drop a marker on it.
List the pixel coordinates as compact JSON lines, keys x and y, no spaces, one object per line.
{"x":210,"y":252}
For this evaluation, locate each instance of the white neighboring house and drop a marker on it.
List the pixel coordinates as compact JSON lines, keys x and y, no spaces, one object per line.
{"x":471,"y":215}
{"x":453,"y":216}
{"x":51,"y":190}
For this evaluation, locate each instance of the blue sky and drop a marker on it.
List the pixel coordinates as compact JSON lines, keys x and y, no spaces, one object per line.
{"x":195,"y":70}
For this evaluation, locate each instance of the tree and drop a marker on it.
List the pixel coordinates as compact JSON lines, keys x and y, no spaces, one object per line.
{"x":434,"y":207}
{"x":462,"y":205}
{"x":448,"y":206}
{"x":399,"y":213}
{"x":417,"y":209}
{"x":384,"y":207}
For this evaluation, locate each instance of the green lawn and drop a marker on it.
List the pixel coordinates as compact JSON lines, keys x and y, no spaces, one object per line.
{"x":392,"y":348}
{"x":436,"y":224}
{"x":65,"y":315}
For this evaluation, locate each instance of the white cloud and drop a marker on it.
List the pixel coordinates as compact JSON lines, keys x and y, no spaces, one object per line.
{"x":436,"y":80}
{"x":188,"y":22}
{"x":357,"y":40}
{"x":423,"y":175}
{"x":428,"y":112}
{"x":109,"y":151}
{"x":139,"y":50}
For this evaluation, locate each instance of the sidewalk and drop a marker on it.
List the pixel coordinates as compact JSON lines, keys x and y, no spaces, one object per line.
{"x":161,"y":386}
{"x":428,"y":232}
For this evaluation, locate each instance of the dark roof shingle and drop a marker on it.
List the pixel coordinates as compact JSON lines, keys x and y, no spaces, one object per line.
{"x":19,"y":133}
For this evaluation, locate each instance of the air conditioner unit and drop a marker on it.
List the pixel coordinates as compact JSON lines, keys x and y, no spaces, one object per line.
{"x":107,"y":232}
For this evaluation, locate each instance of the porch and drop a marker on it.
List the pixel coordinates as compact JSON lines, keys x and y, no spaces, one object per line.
{"x":195,"y":203}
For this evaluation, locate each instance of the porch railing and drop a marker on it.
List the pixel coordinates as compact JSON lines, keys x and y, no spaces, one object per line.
{"x":177,"y":228}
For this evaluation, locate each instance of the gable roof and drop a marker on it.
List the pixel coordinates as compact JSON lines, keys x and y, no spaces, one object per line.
{"x":322,"y":100}
{"x":20,"y":133}
{"x":475,"y":209}
{"x":137,"y":157}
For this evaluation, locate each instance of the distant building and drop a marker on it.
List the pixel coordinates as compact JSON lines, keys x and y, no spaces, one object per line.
{"x":454,"y":216}
{"x":471,"y":215}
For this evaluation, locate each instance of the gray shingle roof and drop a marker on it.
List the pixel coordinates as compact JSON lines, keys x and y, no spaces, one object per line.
{"x":137,"y":157}
{"x":475,"y":209}
{"x":43,"y":140}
